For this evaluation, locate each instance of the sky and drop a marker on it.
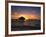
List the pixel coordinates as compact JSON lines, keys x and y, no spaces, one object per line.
{"x":25,"y":11}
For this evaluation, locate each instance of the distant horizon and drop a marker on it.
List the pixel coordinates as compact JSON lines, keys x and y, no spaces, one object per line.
{"x":26,"y":19}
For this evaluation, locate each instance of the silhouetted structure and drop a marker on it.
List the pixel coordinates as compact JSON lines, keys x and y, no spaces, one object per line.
{"x":22,"y":18}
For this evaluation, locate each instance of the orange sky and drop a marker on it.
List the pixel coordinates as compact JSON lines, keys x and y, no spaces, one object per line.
{"x":26,"y":16}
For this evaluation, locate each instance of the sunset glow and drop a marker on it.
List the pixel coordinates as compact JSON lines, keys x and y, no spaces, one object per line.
{"x":26,"y":12}
{"x":26,"y":16}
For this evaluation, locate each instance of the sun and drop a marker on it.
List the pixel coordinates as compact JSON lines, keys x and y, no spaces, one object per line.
{"x":24,"y":16}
